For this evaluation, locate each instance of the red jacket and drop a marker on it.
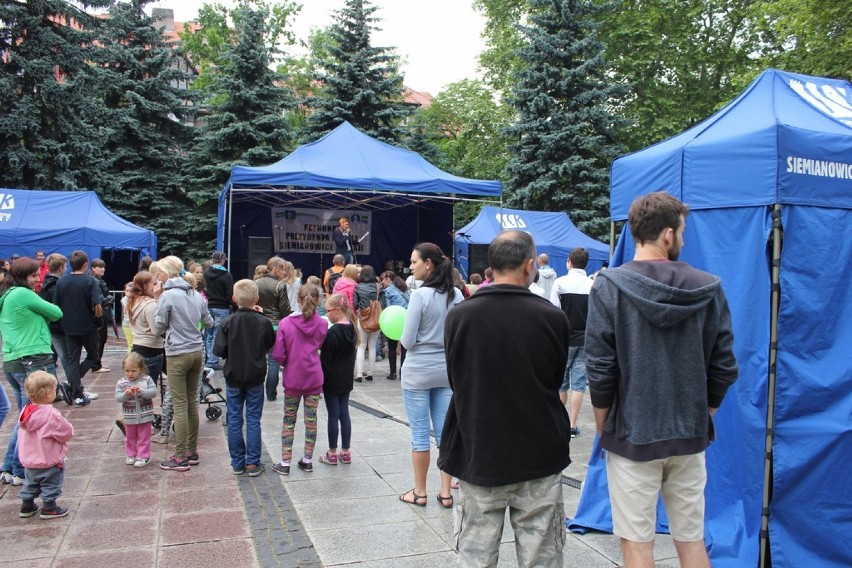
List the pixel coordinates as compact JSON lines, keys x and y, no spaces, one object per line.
{"x":42,"y":272}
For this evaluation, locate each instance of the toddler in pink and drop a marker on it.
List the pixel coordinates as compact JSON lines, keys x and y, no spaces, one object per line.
{"x":43,"y":437}
{"x":136,"y":391}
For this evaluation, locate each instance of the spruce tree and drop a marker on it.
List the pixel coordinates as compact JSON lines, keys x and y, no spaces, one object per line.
{"x":51,"y":128}
{"x":245,"y":123}
{"x":564,"y":133}
{"x":140,"y":79}
{"x":360,"y":83}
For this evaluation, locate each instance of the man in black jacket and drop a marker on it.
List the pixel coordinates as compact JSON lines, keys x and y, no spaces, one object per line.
{"x":506,"y":432}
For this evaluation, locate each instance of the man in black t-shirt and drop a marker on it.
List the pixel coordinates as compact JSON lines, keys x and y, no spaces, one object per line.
{"x":79,"y":297}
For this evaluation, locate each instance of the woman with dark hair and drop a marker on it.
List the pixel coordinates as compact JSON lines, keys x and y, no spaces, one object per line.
{"x":395,"y":293}
{"x":425,"y":387}
{"x":366,"y":290}
{"x":26,"y":344}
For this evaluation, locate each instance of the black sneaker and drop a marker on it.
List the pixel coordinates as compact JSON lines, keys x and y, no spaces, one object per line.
{"x":358,"y":379}
{"x":192,"y":458}
{"x":391,"y":377}
{"x":174,"y":464}
{"x":369,"y":377}
{"x":254,"y":470}
{"x":575,"y":432}
{"x":53,"y":512}
{"x":309,"y":467}
{"x":281,"y":469}
{"x":28,"y":509}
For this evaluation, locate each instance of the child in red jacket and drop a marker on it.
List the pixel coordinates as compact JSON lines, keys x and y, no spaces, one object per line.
{"x":43,"y":438}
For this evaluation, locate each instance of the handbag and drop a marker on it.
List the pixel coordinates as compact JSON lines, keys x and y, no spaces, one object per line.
{"x":369,"y":317}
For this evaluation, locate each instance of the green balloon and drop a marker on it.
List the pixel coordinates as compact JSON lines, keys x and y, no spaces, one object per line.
{"x":392,"y":321}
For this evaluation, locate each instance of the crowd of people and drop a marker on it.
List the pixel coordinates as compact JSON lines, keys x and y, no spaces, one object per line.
{"x":486,"y":369}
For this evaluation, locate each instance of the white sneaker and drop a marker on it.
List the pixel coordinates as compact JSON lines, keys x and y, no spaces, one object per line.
{"x":141,"y":462}
{"x":6,"y":478}
{"x":102,"y":370}
{"x":16,"y":481}
{"x":130,"y":461}
{"x":91,"y":395}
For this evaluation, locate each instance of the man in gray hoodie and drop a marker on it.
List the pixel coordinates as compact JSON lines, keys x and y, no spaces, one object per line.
{"x":659,"y":354}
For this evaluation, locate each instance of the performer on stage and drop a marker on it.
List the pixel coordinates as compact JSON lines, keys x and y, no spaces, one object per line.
{"x":344,"y":241}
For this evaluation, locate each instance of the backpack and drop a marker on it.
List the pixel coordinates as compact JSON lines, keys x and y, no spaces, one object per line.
{"x":333,"y":277}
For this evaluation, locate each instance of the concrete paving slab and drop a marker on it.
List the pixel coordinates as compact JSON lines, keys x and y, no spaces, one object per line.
{"x":360,"y":544}
{"x":127,"y":558}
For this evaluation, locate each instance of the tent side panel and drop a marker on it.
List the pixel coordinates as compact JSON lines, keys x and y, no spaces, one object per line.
{"x":810,"y":510}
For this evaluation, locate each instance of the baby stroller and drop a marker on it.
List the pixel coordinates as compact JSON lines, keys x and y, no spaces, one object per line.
{"x":210,"y":395}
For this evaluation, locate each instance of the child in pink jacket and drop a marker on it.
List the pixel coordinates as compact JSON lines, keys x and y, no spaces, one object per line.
{"x":42,"y":444}
{"x":297,"y":351}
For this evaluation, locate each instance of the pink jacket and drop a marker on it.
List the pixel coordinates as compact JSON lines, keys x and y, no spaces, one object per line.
{"x":43,"y":436}
{"x":346,"y":286}
{"x":296,"y":349}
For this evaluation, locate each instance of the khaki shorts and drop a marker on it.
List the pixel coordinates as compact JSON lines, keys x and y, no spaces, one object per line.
{"x":634,"y":488}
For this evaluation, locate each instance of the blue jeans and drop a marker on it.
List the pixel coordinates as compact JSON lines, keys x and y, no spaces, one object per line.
{"x":244,"y":451}
{"x":4,"y":405}
{"x":575,"y":371}
{"x":154,"y":365}
{"x":58,"y":342}
{"x":272,"y":368}
{"x":420,"y":405}
{"x":11,"y":461}
{"x":337,"y":406}
{"x":218,"y":314}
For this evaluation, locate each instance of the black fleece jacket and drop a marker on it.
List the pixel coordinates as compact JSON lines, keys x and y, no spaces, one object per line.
{"x":506,"y":352}
{"x":243,"y":340}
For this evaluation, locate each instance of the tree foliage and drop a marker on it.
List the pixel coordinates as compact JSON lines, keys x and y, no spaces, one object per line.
{"x":245,"y":123}
{"x":213,"y":33}
{"x":50,"y":127}
{"x":139,"y":78}
{"x":359,"y":83}
{"x":812,"y":36}
{"x":564,"y":133}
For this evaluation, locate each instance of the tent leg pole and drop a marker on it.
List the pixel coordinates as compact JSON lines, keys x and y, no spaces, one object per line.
{"x":227,"y":244}
{"x":611,"y":238}
{"x":775,"y":303}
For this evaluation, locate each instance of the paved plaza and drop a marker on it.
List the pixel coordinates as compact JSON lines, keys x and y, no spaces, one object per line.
{"x":348,"y":515}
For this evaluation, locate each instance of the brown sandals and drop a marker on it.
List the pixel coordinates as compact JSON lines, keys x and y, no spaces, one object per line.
{"x":419,"y":500}
{"x":444,"y":500}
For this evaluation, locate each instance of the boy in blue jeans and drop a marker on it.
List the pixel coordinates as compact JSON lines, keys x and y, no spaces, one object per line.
{"x":243,"y":340}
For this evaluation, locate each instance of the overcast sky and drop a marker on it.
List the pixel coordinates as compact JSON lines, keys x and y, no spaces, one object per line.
{"x":439,"y":40}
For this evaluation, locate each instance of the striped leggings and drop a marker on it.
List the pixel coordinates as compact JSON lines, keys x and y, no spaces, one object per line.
{"x":291,"y":409}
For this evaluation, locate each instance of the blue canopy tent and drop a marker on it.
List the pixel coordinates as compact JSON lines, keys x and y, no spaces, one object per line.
{"x":769,"y":183}
{"x":65,"y":221}
{"x":409,"y":199}
{"x":554,"y":234}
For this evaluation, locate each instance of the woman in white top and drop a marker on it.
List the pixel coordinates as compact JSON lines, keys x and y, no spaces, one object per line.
{"x":425,"y":386}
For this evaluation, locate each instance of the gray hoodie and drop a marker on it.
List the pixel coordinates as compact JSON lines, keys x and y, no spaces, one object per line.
{"x":179,"y":312}
{"x":659,"y":353}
